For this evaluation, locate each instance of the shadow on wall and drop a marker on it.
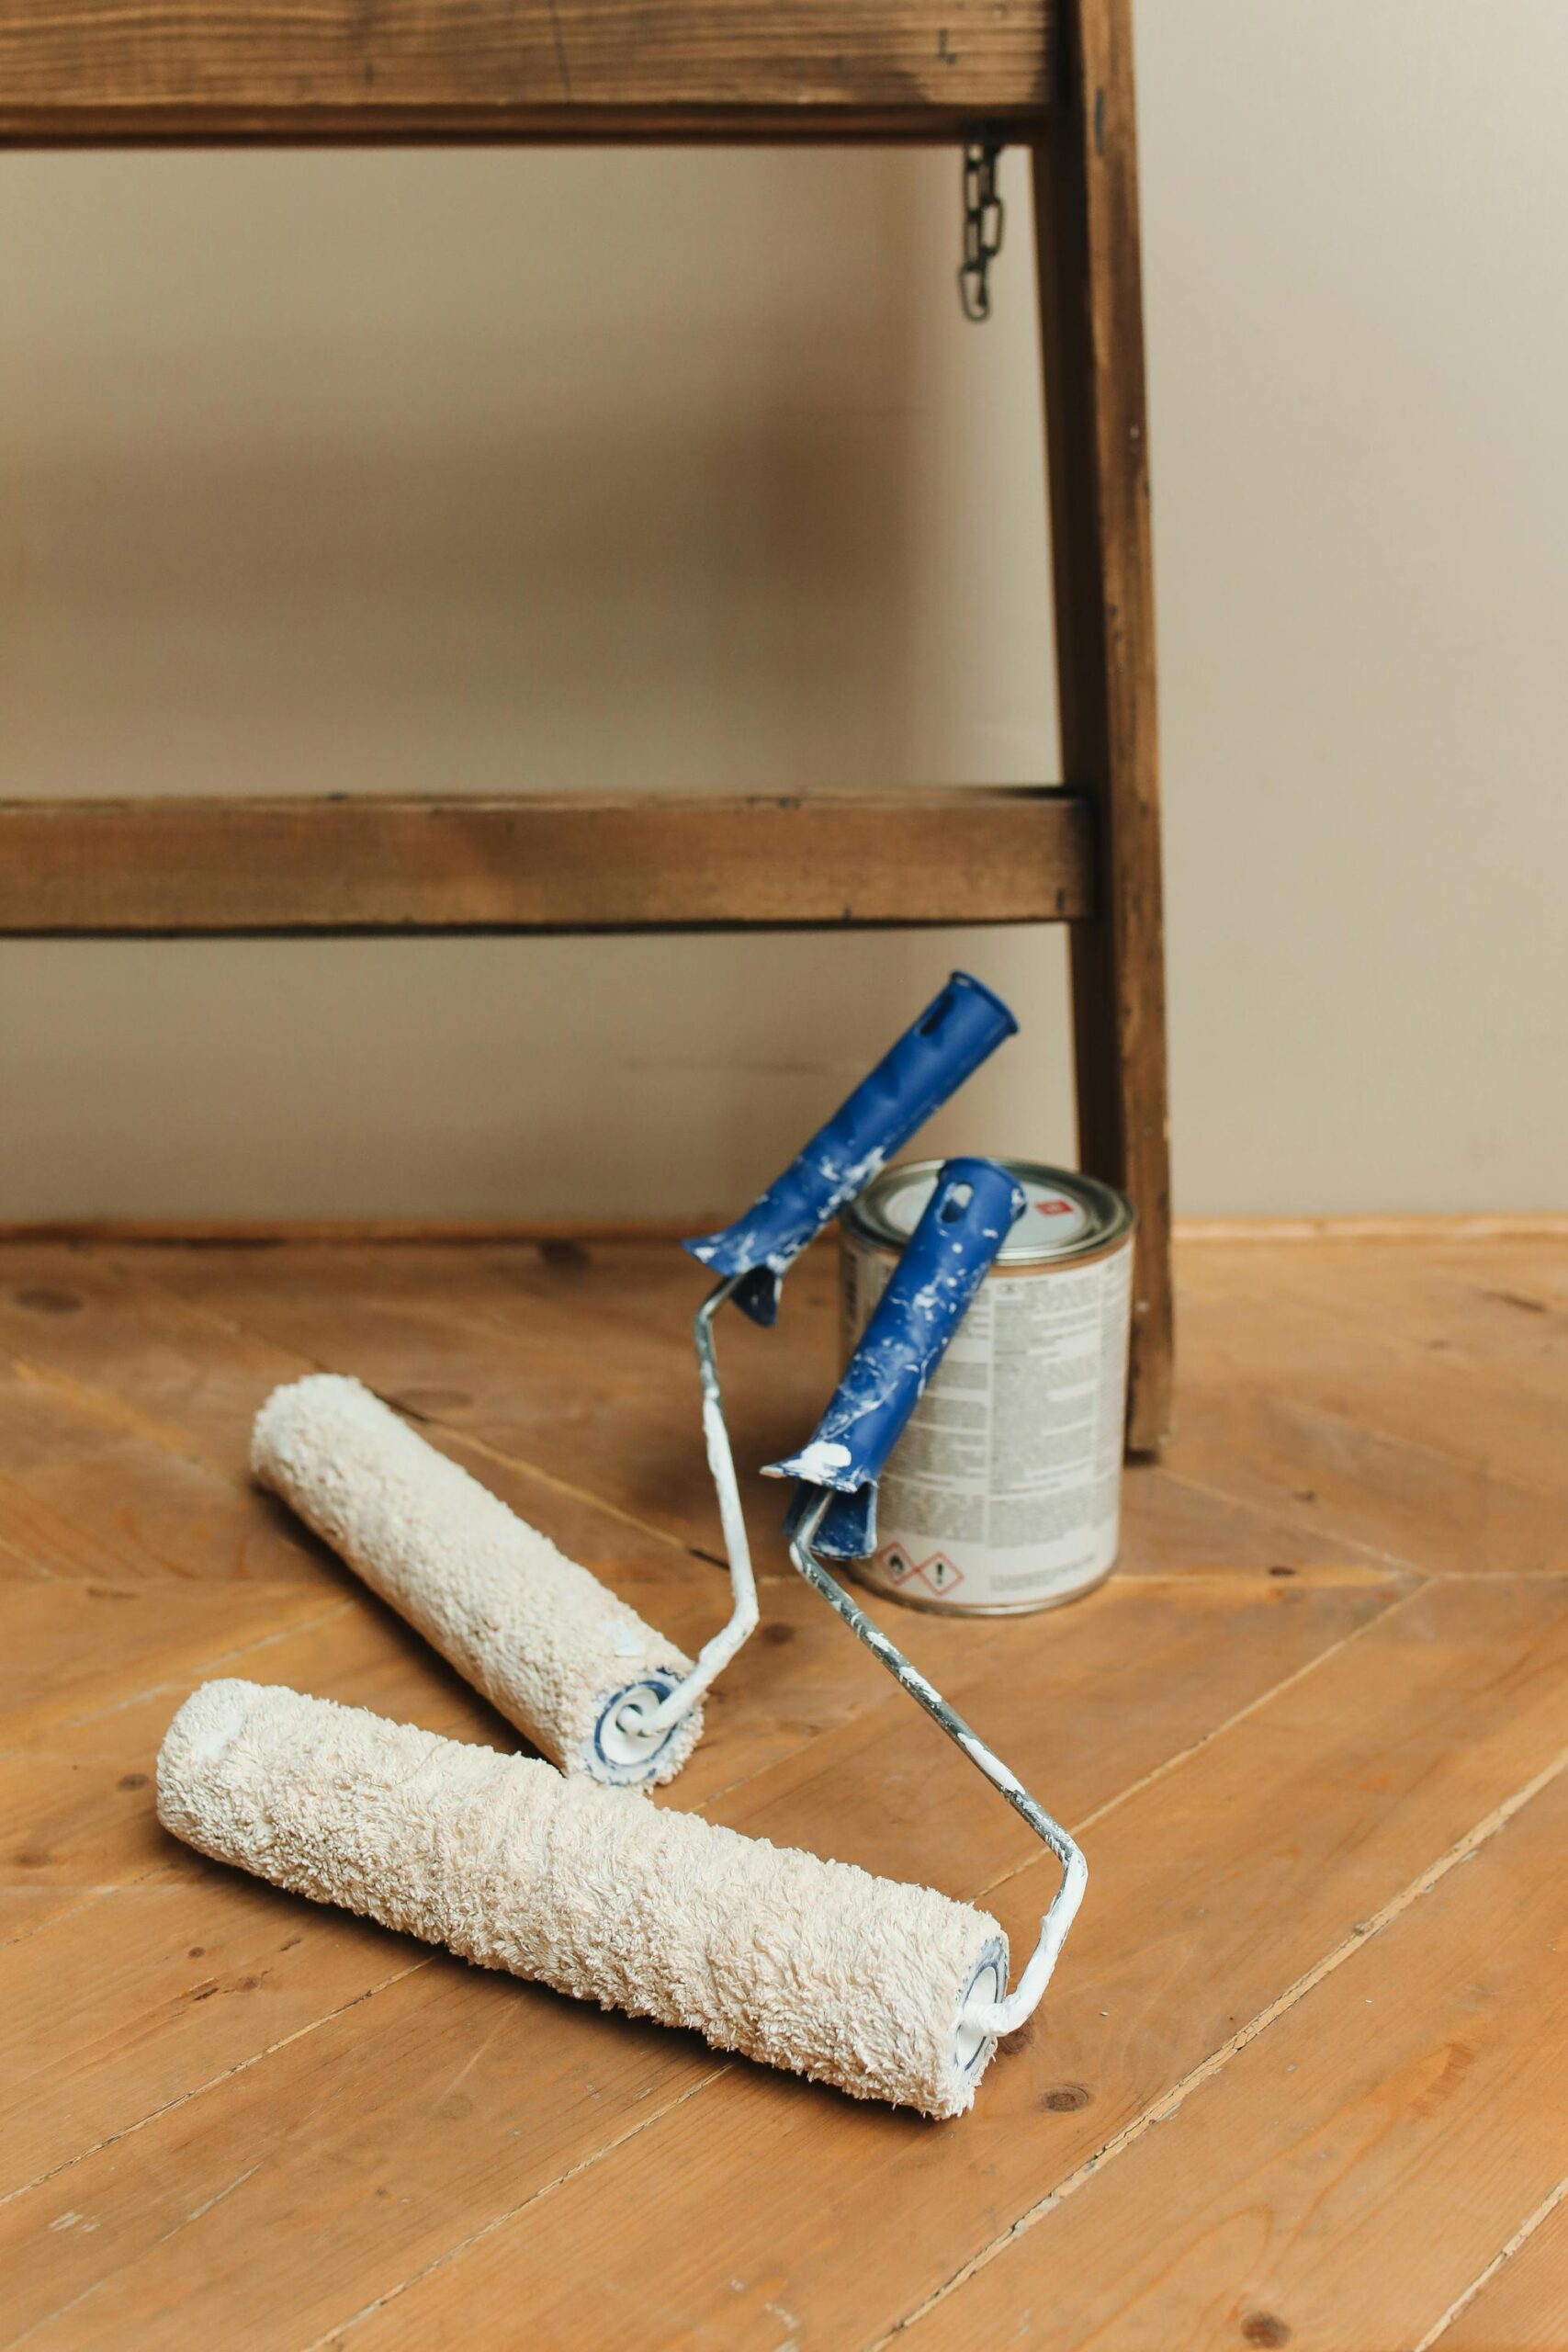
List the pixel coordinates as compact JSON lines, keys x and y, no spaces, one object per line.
{"x":487,"y":473}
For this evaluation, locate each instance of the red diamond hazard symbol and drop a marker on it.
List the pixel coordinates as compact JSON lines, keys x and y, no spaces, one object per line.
{"x":938,"y":1574}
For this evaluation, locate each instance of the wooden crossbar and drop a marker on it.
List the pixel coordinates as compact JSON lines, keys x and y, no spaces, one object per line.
{"x":1054,"y":74}
{"x":206,"y":70}
{"x":635,"y":862}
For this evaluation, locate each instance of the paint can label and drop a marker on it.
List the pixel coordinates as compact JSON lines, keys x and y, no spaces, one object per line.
{"x":1003,"y":1494}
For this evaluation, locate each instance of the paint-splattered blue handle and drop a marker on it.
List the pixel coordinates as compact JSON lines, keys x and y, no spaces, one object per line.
{"x":967,"y":1218}
{"x":930,"y":1060}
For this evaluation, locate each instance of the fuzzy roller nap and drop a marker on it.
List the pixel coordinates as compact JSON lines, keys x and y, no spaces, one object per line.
{"x":797,"y":1962}
{"x":561,"y":1657}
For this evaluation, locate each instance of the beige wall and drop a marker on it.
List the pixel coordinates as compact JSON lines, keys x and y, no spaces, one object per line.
{"x":480,"y":472}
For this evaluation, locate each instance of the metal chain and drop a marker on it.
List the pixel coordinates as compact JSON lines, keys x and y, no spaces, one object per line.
{"x":983,"y":225}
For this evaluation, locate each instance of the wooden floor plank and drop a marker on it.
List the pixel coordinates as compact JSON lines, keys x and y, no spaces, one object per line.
{"x":83,"y":1651}
{"x":801,"y":1679}
{"x":1082,"y":1704}
{"x":189,"y":1356}
{"x":77,"y":1827}
{"x":134,"y":1418}
{"x":187,"y":1381}
{"x":1271,"y":1730}
{"x":135,"y":1347}
{"x":68,"y":1650}
{"x":1401,"y":2116}
{"x":1500,"y":1309}
{"x":76,"y":1797}
{"x":205,"y":1974}
{"x":182,"y":1382}
{"x":1171,"y":1524}
{"x":1506,"y":1424}
{"x":1357,"y":1486}
{"x":84,"y":1492}
{"x":1212,"y":1889}
{"x":577,"y":1358}
{"x":77,"y":1784}
{"x":1522,"y":2306}
{"x":1131,"y":1679}
{"x":366,"y":2145}
{"x":169,"y":1386}
{"x":1404,"y":1398}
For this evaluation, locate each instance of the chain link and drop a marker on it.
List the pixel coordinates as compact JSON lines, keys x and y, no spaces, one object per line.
{"x":983,"y":224}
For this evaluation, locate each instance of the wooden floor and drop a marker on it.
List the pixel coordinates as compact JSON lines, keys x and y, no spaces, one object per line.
{"x":1303,"y":2078}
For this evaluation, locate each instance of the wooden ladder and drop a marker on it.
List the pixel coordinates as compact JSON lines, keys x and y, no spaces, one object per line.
{"x":1053,"y":75}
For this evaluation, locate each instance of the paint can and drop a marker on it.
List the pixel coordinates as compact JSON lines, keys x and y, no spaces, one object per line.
{"x":1004,"y":1493}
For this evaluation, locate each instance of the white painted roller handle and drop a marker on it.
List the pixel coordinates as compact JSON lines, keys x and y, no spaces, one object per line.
{"x":638,"y":1719}
{"x":982,"y":2019}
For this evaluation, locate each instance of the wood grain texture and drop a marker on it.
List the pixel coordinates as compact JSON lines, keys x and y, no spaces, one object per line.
{"x":1086,"y":185}
{"x":1521,"y":2305}
{"x":76,"y":1816}
{"x":86,"y":1494}
{"x":1498,"y":1323}
{"x":194,"y":866}
{"x":231,"y":2116}
{"x":385,"y":2096}
{"x":1505,"y":1426}
{"x":1418,"y":2088}
{"x":70,"y":1649}
{"x":1213,"y":1891}
{"x":1365,"y":1484}
{"x":203,"y":69}
{"x":500,"y":1345}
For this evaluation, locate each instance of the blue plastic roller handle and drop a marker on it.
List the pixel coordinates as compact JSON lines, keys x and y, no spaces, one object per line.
{"x":953,"y":1036}
{"x":970,"y":1214}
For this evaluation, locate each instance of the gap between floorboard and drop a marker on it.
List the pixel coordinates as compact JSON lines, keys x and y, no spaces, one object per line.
{"x":255,"y":1335}
{"x":307,"y":1362}
{"x":199,"y":2090}
{"x":1080,"y":1829}
{"x":64,"y":2310}
{"x":222,"y":1658}
{"x":1168,"y":2105}
{"x":889,"y":1697}
{"x":340,"y":2328}
{"x":1504,"y":2254}
{"x":889,"y":1700}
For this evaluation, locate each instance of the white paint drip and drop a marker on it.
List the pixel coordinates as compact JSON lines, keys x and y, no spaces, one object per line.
{"x":817,"y":1463}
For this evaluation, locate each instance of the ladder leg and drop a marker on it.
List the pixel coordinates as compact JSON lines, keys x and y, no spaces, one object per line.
{"x":1086,"y":189}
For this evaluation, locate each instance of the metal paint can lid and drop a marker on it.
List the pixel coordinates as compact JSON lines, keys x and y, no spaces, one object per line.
{"x":1067,"y":1216}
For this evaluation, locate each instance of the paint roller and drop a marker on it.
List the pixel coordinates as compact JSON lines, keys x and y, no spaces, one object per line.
{"x":558,"y":1652}
{"x":888,"y":1991}
{"x":973,"y":1207}
{"x":585,"y":1678}
{"x":963,"y":1023}
{"x":790,"y":1960}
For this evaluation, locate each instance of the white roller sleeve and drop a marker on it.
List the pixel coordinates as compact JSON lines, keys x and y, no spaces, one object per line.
{"x":544,"y":1639}
{"x":796,"y":1962}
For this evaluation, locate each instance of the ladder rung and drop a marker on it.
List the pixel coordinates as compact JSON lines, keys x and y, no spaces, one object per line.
{"x":83,"y":70}
{"x":635,"y":862}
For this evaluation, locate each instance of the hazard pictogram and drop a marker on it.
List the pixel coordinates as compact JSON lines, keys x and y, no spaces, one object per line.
{"x":938,"y":1574}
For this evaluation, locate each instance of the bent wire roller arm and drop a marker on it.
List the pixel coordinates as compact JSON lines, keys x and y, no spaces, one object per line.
{"x":833,"y":1515}
{"x":963,"y":1024}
